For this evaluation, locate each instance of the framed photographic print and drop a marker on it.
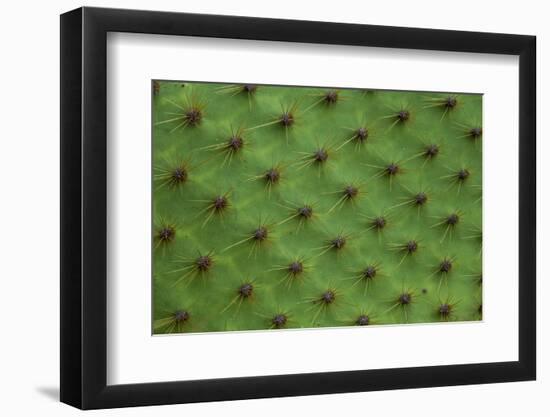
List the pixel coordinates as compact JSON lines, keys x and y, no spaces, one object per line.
{"x":257,"y":207}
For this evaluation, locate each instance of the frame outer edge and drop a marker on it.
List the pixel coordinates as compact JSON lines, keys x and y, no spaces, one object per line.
{"x":528,"y":206}
{"x":70,"y":214}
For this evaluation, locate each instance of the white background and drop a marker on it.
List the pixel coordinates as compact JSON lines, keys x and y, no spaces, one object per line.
{"x":29,"y":210}
{"x":134,"y":356}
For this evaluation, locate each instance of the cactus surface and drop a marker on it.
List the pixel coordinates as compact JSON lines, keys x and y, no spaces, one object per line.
{"x":279,"y":207}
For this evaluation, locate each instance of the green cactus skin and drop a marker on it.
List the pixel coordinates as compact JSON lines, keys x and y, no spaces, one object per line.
{"x":281,"y":207}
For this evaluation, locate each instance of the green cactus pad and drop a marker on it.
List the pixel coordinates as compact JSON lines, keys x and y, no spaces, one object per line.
{"x":279,"y":207}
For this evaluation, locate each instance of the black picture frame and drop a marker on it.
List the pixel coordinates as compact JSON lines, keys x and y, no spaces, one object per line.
{"x":84,"y":207}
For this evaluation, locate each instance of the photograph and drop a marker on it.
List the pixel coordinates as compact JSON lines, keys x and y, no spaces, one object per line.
{"x":281,"y":207}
